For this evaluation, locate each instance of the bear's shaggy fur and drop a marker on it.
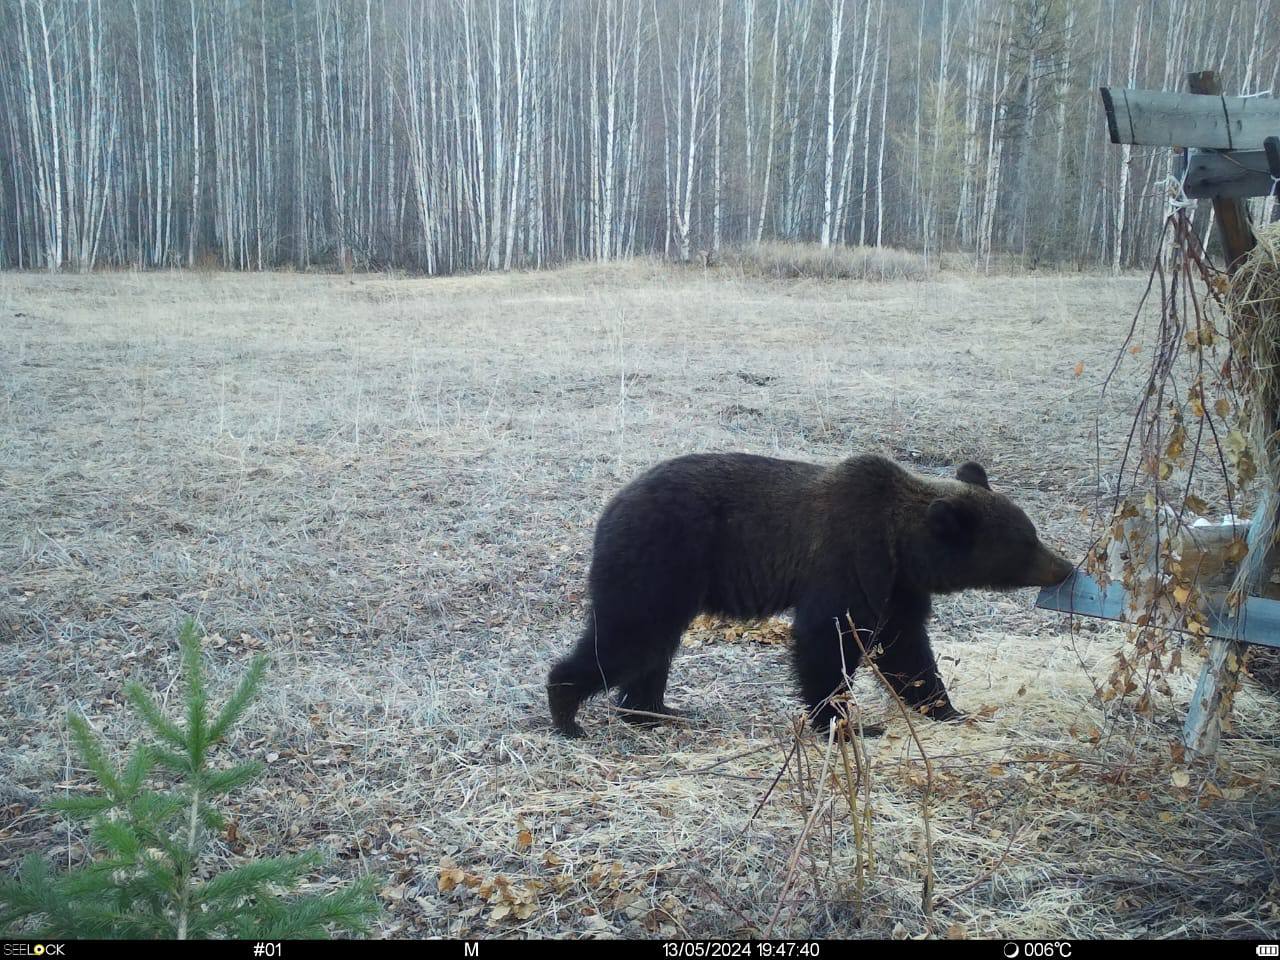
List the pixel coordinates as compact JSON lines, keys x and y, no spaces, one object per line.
{"x":746,"y":536}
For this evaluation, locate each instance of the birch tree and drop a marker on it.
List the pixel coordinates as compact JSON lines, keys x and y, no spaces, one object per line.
{"x":497,"y":134}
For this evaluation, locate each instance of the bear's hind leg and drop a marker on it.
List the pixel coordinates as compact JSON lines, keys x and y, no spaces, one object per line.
{"x":593,"y":665}
{"x":645,"y":693}
{"x":642,"y":700}
{"x":634,"y":659}
{"x":571,"y":681}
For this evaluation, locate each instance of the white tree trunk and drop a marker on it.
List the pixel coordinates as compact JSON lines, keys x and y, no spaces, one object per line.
{"x":828,"y":209}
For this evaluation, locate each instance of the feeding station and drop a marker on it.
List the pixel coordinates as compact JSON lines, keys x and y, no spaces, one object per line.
{"x":1229,"y":151}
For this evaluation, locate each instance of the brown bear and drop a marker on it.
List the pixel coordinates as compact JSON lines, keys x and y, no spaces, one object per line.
{"x":748,"y":536}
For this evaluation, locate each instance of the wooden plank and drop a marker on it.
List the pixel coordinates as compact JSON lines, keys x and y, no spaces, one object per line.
{"x":1157,"y":118}
{"x":1258,"y":622}
{"x":1233,"y":174}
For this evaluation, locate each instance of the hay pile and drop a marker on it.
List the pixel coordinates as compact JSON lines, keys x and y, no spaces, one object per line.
{"x":1254,"y":304}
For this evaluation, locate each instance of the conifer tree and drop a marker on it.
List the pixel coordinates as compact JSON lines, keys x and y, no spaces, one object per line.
{"x":149,"y":825}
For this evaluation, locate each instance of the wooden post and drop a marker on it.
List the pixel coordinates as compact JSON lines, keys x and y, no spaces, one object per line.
{"x":1220,"y":675}
{"x":1231,"y":215}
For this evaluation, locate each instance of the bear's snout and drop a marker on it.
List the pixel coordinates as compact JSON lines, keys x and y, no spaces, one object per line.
{"x":1050,"y":569}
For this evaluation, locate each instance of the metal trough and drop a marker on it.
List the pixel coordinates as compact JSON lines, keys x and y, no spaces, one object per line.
{"x":1258,"y":623}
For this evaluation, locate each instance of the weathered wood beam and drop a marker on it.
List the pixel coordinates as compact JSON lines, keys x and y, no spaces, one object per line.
{"x":1156,"y":118}
{"x":1233,"y":174}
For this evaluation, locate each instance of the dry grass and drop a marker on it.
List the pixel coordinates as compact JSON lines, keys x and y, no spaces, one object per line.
{"x":389,"y":485}
{"x":791,"y":261}
{"x":1254,"y":306}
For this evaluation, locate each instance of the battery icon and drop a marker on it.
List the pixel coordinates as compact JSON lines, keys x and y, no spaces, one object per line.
{"x":1268,"y":949}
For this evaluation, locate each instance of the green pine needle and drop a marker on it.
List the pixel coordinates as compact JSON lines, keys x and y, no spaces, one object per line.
{"x":234,"y":708}
{"x":94,"y":758}
{"x":151,"y":713}
{"x":81,"y":808}
{"x":193,"y":668}
{"x":226,"y":780}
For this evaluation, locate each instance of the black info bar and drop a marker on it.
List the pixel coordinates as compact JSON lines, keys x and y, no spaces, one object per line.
{"x":481,"y":949}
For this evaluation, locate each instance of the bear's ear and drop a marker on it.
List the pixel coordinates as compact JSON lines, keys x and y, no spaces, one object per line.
{"x":973,"y":473}
{"x":951,"y":519}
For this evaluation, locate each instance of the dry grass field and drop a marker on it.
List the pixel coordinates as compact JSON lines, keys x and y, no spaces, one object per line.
{"x":389,"y":485}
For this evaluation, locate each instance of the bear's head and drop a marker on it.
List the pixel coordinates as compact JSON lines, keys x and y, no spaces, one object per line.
{"x":977,"y":538}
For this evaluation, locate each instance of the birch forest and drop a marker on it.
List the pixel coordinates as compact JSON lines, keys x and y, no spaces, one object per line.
{"x":453,"y":135}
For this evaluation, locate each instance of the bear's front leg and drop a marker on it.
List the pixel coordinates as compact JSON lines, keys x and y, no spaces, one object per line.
{"x":906,"y":661}
{"x":824,"y":652}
